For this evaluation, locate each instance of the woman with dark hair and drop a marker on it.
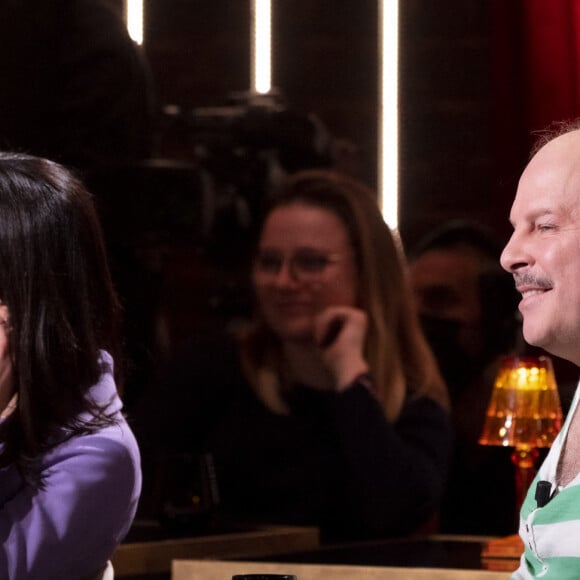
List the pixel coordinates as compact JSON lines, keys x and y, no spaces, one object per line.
{"x":329,"y":410}
{"x":69,"y":464}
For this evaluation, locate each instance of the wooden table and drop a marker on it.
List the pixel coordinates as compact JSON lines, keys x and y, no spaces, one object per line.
{"x":154,"y":557}
{"x":433,"y":551}
{"x":213,"y":570}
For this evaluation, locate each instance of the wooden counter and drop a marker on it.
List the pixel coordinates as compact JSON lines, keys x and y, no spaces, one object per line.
{"x":213,"y":570}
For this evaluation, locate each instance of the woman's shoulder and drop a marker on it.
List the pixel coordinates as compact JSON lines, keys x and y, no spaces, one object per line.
{"x":101,"y":432}
{"x":86,"y":498}
{"x":110,"y":444}
{"x":102,"y":467}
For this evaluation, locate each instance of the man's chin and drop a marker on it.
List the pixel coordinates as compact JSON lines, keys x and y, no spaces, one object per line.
{"x":532,"y":340}
{"x":538,"y":339}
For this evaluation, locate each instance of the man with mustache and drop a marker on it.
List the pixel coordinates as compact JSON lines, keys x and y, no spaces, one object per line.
{"x":543,"y":255}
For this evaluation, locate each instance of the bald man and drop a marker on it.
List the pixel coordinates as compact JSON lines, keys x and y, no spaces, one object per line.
{"x":543,"y":255}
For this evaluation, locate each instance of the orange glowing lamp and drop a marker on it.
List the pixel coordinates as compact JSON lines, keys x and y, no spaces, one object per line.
{"x":524,"y":412}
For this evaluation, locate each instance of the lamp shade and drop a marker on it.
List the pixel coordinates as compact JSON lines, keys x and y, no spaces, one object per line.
{"x":524,"y":410}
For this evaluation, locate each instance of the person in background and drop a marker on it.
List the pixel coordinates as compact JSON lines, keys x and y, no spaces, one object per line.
{"x":468,"y":310}
{"x":69,"y":464}
{"x":327,"y":409}
{"x":543,"y":256}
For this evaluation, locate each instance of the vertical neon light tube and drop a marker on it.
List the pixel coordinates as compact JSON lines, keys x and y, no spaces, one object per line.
{"x":388,"y":147}
{"x":134,"y":19}
{"x":261,"y":46}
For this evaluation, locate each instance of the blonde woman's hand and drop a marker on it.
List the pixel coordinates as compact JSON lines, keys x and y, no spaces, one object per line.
{"x":340,"y":333}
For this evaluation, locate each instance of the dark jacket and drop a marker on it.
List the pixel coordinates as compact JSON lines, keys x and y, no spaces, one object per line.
{"x":335,"y":461}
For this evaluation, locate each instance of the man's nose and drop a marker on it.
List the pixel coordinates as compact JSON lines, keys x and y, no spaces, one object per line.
{"x":515,"y":255}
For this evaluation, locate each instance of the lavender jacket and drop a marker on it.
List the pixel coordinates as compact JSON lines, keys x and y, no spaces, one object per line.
{"x":70,"y":528}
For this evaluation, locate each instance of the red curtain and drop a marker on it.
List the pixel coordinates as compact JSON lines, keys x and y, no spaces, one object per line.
{"x":552,"y":29}
{"x":536,"y":77}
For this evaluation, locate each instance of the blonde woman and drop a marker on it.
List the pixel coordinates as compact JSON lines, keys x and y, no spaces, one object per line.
{"x":331,"y":410}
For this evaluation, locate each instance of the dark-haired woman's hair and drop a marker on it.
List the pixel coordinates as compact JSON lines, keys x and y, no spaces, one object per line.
{"x":62,"y":309}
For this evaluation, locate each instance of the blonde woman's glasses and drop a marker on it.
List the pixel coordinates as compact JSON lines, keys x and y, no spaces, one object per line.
{"x":304,"y":265}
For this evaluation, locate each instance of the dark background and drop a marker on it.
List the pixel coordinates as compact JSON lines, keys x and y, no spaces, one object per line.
{"x":325,"y":62}
{"x":477,"y":79}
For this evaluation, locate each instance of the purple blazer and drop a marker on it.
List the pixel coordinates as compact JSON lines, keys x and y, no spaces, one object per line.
{"x":71,"y":527}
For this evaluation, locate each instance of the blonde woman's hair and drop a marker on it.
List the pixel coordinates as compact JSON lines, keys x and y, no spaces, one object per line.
{"x":396,"y":350}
